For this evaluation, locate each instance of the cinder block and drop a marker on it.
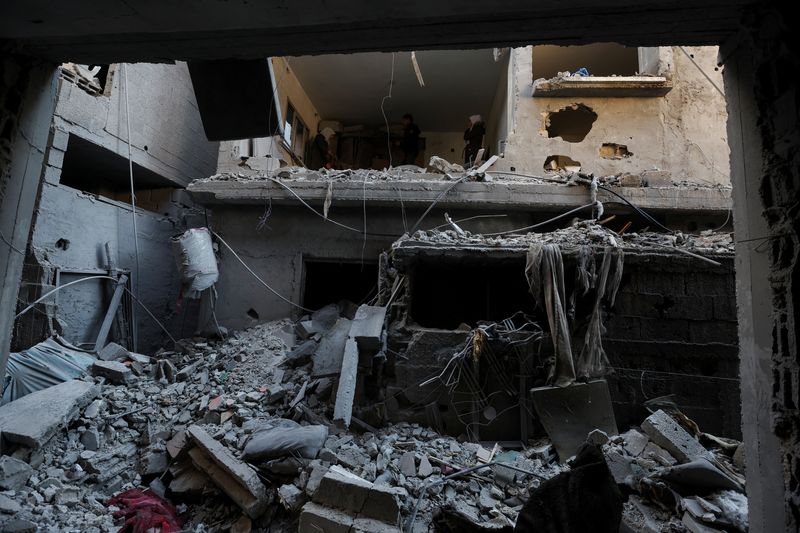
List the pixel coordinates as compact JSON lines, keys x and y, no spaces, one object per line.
{"x":667,"y":433}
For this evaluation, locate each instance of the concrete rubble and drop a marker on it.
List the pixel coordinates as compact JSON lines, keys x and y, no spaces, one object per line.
{"x":241,"y":433}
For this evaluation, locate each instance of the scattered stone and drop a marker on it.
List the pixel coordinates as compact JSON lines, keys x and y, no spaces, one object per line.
{"x":635,"y":442}
{"x":291,"y":497}
{"x":187,"y":372}
{"x":14,"y":474}
{"x":19,"y":525}
{"x":113,"y":352}
{"x":93,"y":409}
{"x":91,"y":439}
{"x":176,"y":444}
{"x":113,"y":371}
{"x":166,"y":371}
{"x":407,"y":464}
{"x":8,"y":506}
{"x":597,"y":436}
{"x":425,"y":468}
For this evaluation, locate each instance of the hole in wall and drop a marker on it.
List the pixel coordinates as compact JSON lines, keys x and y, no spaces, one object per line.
{"x":62,"y":244}
{"x":572,"y":123}
{"x":614,"y":151}
{"x":252,"y":313}
{"x":554,"y":163}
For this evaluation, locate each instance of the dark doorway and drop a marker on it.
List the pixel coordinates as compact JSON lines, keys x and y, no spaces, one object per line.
{"x":331,"y":281}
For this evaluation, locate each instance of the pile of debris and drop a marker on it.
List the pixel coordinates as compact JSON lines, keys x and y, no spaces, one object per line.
{"x":678,"y":478}
{"x":578,"y":234}
{"x":247,"y":417}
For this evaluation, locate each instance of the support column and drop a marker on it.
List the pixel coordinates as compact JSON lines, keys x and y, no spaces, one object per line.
{"x":27,"y":102}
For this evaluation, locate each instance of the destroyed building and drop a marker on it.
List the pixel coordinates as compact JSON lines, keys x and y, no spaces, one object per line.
{"x":203,"y":330}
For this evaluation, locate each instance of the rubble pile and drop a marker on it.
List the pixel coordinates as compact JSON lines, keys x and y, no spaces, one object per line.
{"x":677,"y":481}
{"x":578,"y":234}
{"x":237,"y":434}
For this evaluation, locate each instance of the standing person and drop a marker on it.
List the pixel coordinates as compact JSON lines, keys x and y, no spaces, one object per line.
{"x":474,"y":137}
{"x":319,"y":153}
{"x":410,"y":142}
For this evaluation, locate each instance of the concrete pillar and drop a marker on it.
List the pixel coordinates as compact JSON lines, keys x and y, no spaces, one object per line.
{"x":27,"y":102}
{"x":754,"y":301}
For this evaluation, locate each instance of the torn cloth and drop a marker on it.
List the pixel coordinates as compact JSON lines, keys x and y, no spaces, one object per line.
{"x":592,"y":361}
{"x":545,"y":272}
{"x":144,"y":511}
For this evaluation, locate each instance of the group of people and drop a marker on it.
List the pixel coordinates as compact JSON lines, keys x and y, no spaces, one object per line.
{"x":473,"y":136}
{"x":320,"y":155}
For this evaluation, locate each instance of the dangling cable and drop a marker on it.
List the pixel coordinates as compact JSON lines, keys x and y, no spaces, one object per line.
{"x":383,"y":112}
{"x":133,"y":193}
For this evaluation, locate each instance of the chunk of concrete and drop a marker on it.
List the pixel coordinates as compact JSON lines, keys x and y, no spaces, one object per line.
{"x":358,"y":497}
{"x":235,"y":478}
{"x":8,"y":506}
{"x":14,"y":474}
{"x":667,"y":433}
{"x":188,"y":481}
{"x":291,"y":497}
{"x":113,"y":352}
{"x":317,"y":518}
{"x":568,"y":414}
{"x":324,"y":319}
{"x":635,"y":442}
{"x":368,"y":326}
{"x":113,"y":371}
{"x":301,"y":354}
{"x":33,"y":419}
{"x":306,"y":329}
{"x":328,"y":357}
{"x":346,"y":392}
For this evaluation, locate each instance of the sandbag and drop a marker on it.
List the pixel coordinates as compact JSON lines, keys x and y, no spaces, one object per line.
{"x":282,"y":438}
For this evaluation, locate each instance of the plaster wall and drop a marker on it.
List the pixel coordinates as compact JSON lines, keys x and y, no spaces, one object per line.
{"x":682,"y":132}
{"x":448,"y":145}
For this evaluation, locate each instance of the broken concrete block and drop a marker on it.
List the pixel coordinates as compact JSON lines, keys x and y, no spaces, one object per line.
{"x":635,"y":442}
{"x":176,"y":444}
{"x":367,"y":326}
{"x":19,"y":525}
{"x":301,"y":354}
{"x":113,"y":371}
{"x":425,"y":468}
{"x":187,"y":481}
{"x":34,"y":418}
{"x":113,"y":352}
{"x":187,"y":372}
{"x":306,"y":329}
{"x":315,"y":518}
{"x":667,"y":433}
{"x":658,"y":454}
{"x":155,"y":463}
{"x":407,"y":465}
{"x":657,"y":178}
{"x":324,"y":319}
{"x":235,"y":478}
{"x":291,"y":497}
{"x":284,"y":437}
{"x":444,"y":166}
{"x":91,"y":439}
{"x":328,"y":357}
{"x":598,"y":437}
{"x":14,"y":474}
{"x":314,"y":479}
{"x":342,"y":490}
{"x":346,"y":393}
{"x":8,"y":506}
{"x":166,"y":371}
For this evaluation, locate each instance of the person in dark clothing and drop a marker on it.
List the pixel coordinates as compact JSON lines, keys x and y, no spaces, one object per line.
{"x":410,"y":142}
{"x":474,"y":137}
{"x":319,"y":153}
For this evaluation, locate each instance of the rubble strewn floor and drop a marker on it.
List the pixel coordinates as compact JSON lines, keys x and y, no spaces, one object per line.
{"x":237,"y":434}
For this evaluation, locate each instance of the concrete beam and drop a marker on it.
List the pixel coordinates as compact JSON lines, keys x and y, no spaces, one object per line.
{"x":604,"y":86}
{"x":504,"y":195}
{"x":139,"y":30}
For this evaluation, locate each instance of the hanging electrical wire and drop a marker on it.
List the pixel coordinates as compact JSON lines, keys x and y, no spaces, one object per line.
{"x":383,"y":112}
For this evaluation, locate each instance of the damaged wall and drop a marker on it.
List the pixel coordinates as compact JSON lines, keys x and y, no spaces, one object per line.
{"x":71,"y":228}
{"x":682,"y":132}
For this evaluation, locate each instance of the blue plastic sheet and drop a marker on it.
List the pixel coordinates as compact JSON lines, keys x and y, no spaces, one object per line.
{"x":49,"y":363}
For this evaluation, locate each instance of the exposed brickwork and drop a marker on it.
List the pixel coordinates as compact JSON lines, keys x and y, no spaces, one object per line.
{"x":676,"y":314}
{"x":776,"y":54}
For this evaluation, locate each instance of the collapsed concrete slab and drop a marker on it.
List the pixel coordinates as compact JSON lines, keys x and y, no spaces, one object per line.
{"x":358,"y":497}
{"x":235,"y":478}
{"x":114,"y":371}
{"x":328,"y":358}
{"x":316,"y":518}
{"x":346,"y":392}
{"x":33,"y":419}
{"x":368,"y":326}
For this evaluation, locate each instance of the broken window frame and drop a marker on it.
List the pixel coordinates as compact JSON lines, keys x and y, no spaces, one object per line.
{"x":649,"y":82}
